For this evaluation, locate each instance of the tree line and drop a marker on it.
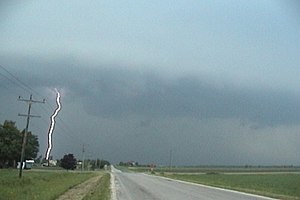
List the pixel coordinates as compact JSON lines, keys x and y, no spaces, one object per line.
{"x":11,"y":139}
{"x":70,"y":162}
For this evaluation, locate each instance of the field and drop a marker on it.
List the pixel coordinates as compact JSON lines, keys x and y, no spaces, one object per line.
{"x":42,"y":184}
{"x":282,"y":186}
{"x":218,"y":169}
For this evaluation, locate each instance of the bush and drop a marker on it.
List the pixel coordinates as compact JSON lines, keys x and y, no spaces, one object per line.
{"x":68,"y":162}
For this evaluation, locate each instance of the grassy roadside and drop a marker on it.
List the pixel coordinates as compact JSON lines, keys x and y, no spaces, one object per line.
{"x":38,"y":184}
{"x":282,"y":186}
{"x":218,"y":169}
{"x":102,"y":190}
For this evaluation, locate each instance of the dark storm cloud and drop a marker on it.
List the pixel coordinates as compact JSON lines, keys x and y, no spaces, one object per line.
{"x":189,"y":96}
{"x":113,"y":91}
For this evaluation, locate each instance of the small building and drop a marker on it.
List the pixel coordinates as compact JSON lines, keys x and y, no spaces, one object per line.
{"x":26,"y":165}
{"x":50,"y":163}
{"x":131,"y":164}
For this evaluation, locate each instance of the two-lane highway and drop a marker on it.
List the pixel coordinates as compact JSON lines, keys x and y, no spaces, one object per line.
{"x":137,"y":186}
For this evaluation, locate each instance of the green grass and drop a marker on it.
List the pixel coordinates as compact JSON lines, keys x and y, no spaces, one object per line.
{"x":283,"y":186}
{"x":102,"y":190}
{"x":38,"y":184}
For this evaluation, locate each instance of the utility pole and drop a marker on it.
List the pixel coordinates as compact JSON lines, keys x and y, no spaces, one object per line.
{"x":82,"y":165}
{"x":170,"y":161}
{"x":29,"y":101}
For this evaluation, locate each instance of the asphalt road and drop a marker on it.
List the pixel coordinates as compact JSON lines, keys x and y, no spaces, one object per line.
{"x":137,"y":186}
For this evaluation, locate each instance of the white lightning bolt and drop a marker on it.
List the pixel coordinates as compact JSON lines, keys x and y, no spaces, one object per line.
{"x":52,"y":125}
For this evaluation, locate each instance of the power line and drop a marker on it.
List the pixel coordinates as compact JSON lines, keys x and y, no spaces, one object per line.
{"x":2,"y":85}
{"x":22,"y":85}
{"x":18,"y":82}
{"x":15,"y":83}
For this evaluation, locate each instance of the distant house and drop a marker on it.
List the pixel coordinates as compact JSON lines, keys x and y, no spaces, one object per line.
{"x":53,"y":163}
{"x":131,"y":164}
{"x":79,"y":165}
{"x":50,"y":163}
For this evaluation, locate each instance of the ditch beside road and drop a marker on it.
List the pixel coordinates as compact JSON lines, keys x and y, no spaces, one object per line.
{"x":80,"y":191}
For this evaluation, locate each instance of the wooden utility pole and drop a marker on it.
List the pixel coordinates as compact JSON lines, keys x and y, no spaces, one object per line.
{"x":29,"y":101}
{"x":170,"y":161}
{"x":82,"y":163}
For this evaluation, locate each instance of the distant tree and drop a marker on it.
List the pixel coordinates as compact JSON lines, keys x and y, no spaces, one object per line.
{"x":68,"y":162}
{"x":91,"y":164}
{"x":58,"y":163}
{"x":102,"y":163}
{"x":11,"y":144}
{"x":32,"y":145}
{"x":39,"y":159}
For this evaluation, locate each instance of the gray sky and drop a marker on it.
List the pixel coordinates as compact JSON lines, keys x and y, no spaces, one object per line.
{"x":215,"y":82}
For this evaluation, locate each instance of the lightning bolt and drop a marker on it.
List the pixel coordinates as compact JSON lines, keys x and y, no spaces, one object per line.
{"x":52,"y":125}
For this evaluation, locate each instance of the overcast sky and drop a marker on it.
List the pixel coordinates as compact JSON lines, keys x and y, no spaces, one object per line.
{"x":213,"y":82}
